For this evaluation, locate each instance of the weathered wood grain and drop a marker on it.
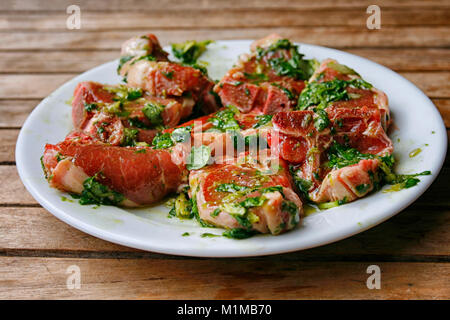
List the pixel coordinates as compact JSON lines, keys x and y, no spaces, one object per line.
{"x":443,"y":106}
{"x":415,"y":234}
{"x":8,"y":140}
{"x":31,"y":86}
{"x":338,"y":37}
{"x":219,"y":279}
{"x":435,"y":85}
{"x":412,"y":59}
{"x":66,"y":61}
{"x":15,"y":112}
{"x":38,"y":86}
{"x":12,"y":191}
{"x":167,"y":5}
{"x":231,"y":18}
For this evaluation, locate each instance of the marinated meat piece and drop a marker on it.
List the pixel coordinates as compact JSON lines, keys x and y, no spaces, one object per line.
{"x":308,"y":149}
{"x":357,"y":94}
{"x":269,"y":79}
{"x":141,"y":46}
{"x":115,"y":114}
{"x":348,"y":183}
{"x":145,"y":65}
{"x":167,"y":79}
{"x":361,"y":129}
{"x":247,"y":194}
{"x":142,"y":175}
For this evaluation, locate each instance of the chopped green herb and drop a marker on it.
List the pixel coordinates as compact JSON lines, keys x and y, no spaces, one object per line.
{"x":162,"y":141}
{"x":90,"y":106}
{"x":340,"y":156}
{"x":183,"y":206}
{"x":122,"y":61}
{"x":224,"y":120}
{"x":96,"y":193}
{"x":209,"y":235}
{"x":153,"y":112}
{"x":290,"y":207}
{"x":332,"y":204}
{"x":321,"y":121}
{"x":43,"y":167}
{"x":238,"y":233}
{"x":136,"y":122}
{"x":294,"y":65}
{"x":129,"y":137}
{"x":230,"y":187}
{"x":147,"y":57}
{"x":415,"y":152}
{"x":133,"y":94}
{"x":303,"y":185}
{"x":262,"y":120}
{"x":253,"y":202}
{"x":215,"y":213}
{"x":322,"y":93}
{"x":185,"y":234}
{"x":168,"y":75}
{"x":256,"y":76}
{"x":341,"y":68}
{"x":189,"y":51}
{"x":286,"y":91}
{"x":362,"y":188}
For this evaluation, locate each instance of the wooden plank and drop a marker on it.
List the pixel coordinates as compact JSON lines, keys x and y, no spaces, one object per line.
{"x":339,"y":37}
{"x":8,"y":140}
{"x":63,"y":61}
{"x":435,"y":85}
{"x":38,"y":86}
{"x":34,"y":229}
{"x":413,"y":235}
{"x":231,"y":18}
{"x":31,"y":86}
{"x":418,"y":59}
{"x":14,"y":112}
{"x":12,"y":191}
{"x":166,"y":5}
{"x":412,"y":59}
{"x":218,"y":279}
{"x":443,"y":106}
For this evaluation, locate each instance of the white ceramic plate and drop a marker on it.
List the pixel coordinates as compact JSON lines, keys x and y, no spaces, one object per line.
{"x":417,"y":119}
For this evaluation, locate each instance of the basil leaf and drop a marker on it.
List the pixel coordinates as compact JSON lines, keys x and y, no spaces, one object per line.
{"x":153,"y":112}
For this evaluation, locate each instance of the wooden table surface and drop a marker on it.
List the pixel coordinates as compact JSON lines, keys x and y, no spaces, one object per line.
{"x":38,"y":54}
